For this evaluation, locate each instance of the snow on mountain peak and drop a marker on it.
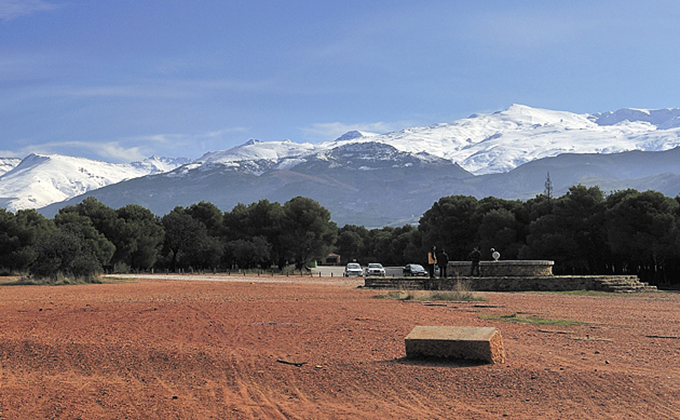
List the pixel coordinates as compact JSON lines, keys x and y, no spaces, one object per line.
{"x":355,"y":134}
{"x":522,"y":114}
{"x":42,"y":179}
{"x":257,"y":156}
{"x":501,"y":141}
{"x":159,"y":164}
{"x":486,"y":143}
{"x":661,"y":118}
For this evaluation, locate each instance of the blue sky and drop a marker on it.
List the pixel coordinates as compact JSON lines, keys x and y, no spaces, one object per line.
{"x":121,"y":80}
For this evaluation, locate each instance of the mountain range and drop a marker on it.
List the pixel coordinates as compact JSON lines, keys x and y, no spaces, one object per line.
{"x":379,"y":179}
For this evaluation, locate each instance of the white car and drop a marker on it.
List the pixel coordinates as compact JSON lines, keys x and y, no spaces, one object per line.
{"x":353,"y":270}
{"x":375,"y":269}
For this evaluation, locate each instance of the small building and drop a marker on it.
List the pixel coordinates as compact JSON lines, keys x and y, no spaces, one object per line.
{"x":332,"y":259}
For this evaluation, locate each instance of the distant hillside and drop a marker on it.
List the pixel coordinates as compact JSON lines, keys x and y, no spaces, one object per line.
{"x":385,"y":193}
{"x":372,"y":192}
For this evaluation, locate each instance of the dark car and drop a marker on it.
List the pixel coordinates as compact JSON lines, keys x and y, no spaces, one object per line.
{"x":414,"y":270}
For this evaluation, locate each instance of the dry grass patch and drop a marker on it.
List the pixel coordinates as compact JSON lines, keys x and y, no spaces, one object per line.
{"x":439,"y":295}
{"x":535,"y":320}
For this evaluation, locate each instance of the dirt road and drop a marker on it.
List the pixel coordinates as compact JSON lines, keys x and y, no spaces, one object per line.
{"x":305,"y":348}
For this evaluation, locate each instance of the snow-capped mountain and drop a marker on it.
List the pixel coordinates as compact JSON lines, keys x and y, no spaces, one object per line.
{"x":485,"y":143}
{"x":258,"y":157}
{"x":159,"y":164}
{"x":382,"y":178}
{"x":365,"y":183}
{"x":39,"y":180}
{"x":499,"y":142}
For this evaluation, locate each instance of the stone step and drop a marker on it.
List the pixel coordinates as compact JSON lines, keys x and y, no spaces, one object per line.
{"x":617,"y":282}
{"x":625,"y":285}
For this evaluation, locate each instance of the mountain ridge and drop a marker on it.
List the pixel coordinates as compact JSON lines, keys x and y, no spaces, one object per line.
{"x":467,"y":156}
{"x":389,"y":194}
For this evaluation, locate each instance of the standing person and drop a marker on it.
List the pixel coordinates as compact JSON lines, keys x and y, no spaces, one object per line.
{"x":442,"y":262}
{"x":475,"y":256}
{"x":432,"y":260}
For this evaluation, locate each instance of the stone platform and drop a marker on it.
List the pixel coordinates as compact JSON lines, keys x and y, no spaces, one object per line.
{"x":471,"y":343}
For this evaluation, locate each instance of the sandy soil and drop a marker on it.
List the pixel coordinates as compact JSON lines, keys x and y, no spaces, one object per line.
{"x":308,"y":348}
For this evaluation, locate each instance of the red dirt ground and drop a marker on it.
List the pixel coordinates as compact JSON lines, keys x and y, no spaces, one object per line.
{"x":186,"y":349}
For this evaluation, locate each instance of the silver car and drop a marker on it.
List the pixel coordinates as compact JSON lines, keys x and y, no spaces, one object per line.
{"x":375,"y":269}
{"x":353,"y":270}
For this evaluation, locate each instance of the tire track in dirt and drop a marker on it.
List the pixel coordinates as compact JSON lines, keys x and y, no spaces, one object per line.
{"x":254,"y":399}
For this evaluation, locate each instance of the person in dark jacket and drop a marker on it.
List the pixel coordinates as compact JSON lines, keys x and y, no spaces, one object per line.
{"x":475,"y":256}
{"x":442,"y":262}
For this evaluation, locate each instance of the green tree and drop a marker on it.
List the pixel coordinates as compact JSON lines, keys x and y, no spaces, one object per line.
{"x":261,"y":219}
{"x":349,"y":246}
{"x":380,"y":244}
{"x":450,"y":224}
{"x":105,"y":220}
{"x":307,"y":232}
{"x":401,"y":238}
{"x":76,"y":249}
{"x":236,"y":223}
{"x":252,"y":253}
{"x":572,"y":234}
{"x":94,"y":242}
{"x":103,"y":217}
{"x":642,"y":230}
{"x":142,"y":237}
{"x":500,"y":230}
{"x":208,"y":214}
{"x":187,"y":242}
{"x":19,"y":235}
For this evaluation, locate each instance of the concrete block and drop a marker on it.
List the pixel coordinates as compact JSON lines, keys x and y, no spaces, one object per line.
{"x":472,"y":343}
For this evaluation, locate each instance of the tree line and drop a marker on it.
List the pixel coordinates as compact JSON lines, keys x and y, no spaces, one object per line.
{"x":89,"y":238}
{"x":584,"y":231}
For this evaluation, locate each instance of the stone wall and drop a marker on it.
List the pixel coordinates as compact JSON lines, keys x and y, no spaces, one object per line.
{"x":513,"y":283}
{"x":505,"y":268}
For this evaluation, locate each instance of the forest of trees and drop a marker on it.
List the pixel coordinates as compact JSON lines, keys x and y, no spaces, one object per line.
{"x":583,"y":231}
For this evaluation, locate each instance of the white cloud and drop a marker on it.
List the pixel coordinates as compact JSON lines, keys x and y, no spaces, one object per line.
{"x":10,"y":153}
{"x":106,"y":151}
{"x":194,"y":143}
{"x":164,"y":89}
{"x":10,"y":9}
{"x":136,"y":148}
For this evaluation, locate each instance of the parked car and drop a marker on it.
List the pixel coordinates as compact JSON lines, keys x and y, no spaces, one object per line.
{"x":414,"y":270}
{"x":353,"y":269}
{"x":375,"y":269}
